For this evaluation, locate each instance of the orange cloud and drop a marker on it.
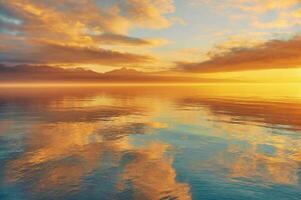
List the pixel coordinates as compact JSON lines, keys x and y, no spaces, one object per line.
{"x":273,"y":54}
{"x":44,"y":52}
{"x":44,"y":19}
{"x":146,"y":13}
{"x":117,"y":39}
{"x":75,"y":30}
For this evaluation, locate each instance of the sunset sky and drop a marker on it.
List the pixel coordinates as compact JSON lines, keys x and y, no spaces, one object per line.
{"x":256,"y":40}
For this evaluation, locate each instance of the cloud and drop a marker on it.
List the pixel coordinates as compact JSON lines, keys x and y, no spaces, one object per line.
{"x":261,"y":6}
{"x":148,"y":13}
{"x":118,"y":39}
{"x":237,"y":41}
{"x":273,"y":54}
{"x":75,"y":30}
{"x":286,"y":12}
{"x":25,"y":51}
{"x":258,"y":6}
{"x":78,"y":18}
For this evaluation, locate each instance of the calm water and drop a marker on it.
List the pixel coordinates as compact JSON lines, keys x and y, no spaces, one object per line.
{"x":206,"y":142}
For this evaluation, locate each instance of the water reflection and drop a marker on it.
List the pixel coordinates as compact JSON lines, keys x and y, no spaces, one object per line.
{"x":149,"y":143}
{"x":283,"y":114}
{"x":152,"y":175}
{"x":4,"y":126}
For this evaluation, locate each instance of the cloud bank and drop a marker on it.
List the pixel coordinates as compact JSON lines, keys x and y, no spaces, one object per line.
{"x":275,"y":54}
{"x":76,"y":31}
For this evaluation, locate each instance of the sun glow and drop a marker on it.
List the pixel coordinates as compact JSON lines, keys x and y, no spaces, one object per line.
{"x":262,"y":76}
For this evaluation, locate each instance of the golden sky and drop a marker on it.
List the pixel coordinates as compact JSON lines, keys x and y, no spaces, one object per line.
{"x":256,"y":40}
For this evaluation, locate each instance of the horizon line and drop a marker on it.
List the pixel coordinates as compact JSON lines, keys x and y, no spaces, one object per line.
{"x":36,"y":85}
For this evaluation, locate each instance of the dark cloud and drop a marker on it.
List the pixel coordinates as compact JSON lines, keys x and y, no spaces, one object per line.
{"x":275,"y":54}
{"x":112,"y":39}
{"x":39,"y":52}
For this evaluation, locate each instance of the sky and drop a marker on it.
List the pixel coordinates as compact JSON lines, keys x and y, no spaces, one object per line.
{"x":242,"y":39}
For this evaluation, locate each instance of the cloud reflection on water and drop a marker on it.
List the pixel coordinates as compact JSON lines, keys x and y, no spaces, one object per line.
{"x":70,"y":135}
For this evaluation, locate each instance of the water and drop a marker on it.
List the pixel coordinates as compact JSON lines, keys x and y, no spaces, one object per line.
{"x":205,"y":142}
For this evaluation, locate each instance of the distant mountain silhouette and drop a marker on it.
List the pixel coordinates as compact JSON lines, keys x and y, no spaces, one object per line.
{"x":124,"y":71}
{"x":29,"y":73}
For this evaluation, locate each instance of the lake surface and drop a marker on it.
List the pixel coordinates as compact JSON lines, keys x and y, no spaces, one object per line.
{"x":214,"y":142}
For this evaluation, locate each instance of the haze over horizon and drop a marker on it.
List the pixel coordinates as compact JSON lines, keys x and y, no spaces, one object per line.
{"x":163,"y":40}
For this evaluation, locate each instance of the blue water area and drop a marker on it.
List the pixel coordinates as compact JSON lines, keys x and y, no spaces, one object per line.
{"x":148,"y":143}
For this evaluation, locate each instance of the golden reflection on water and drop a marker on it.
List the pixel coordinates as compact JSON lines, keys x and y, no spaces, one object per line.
{"x":63,"y":133}
{"x":247,"y":119}
{"x":74,"y":140}
{"x":70,"y":130}
{"x":153,"y":176}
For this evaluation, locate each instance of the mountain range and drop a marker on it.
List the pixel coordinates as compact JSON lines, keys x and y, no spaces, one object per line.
{"x":50,"y":74}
